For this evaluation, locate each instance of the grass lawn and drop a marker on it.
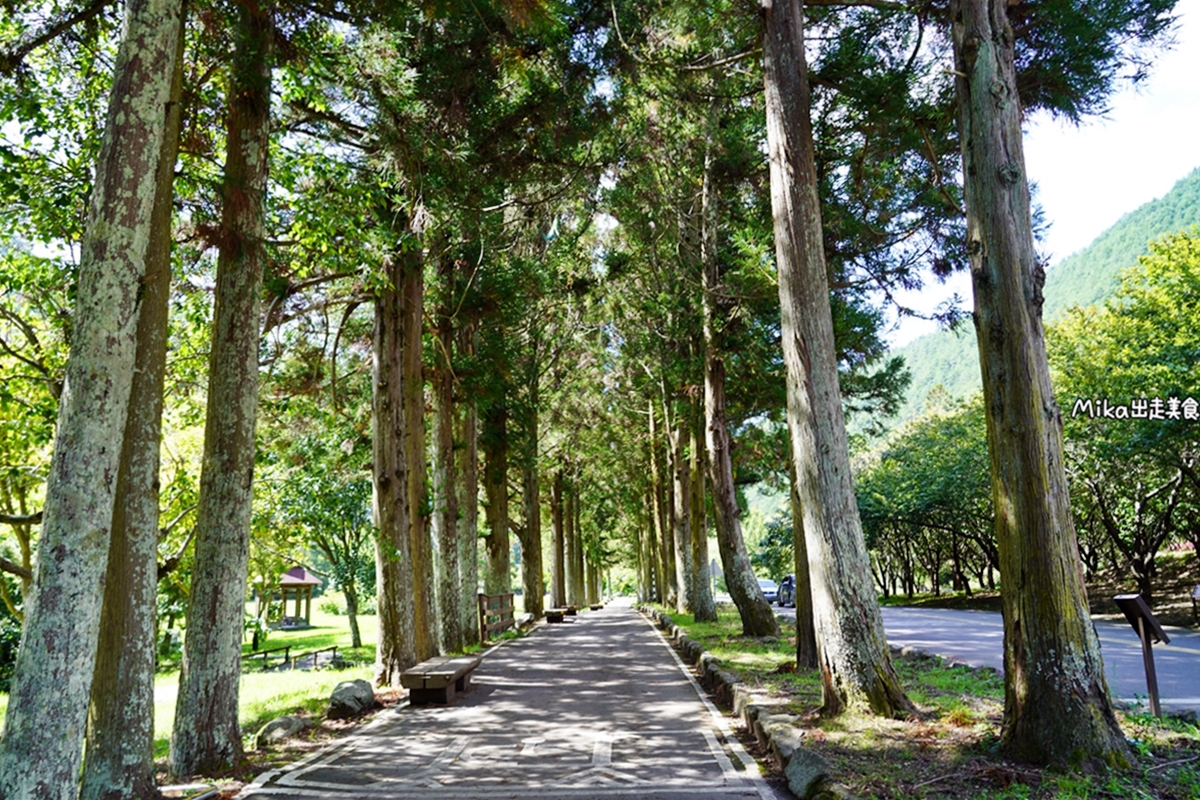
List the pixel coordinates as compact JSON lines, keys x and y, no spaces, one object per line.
{"x":950,"y":748}
{"x":263,"y":696}
{"x":267,"y":695}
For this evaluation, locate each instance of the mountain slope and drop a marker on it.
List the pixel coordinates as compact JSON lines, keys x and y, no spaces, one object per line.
{"x":951,"y":358}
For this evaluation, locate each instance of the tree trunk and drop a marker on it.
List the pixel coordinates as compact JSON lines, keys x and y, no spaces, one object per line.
{"x":425,"y":623}
{"x":495,"y":476}
{"x":558,"y":589}
{"x":664,"y":555}
{"x":351,"y":593}
{"x":752,"y":606}
{"x":577,"y":531}
{"x":650,"y":556}
{"x":45,"y":724}
{"x":855,"y":664}
{"x":705,"y":610}
{"x":533,"y":585}
{"x":806,"y":632}
{"x":445,"y":486}
{"x":681,"y":518}
{"x":468,"y":502}
{"x":119,"y":754}
{"x":396,"y":649}
{"x":206,"y":736}
{"x":571,"y":549}
{"x":1057,"y":707}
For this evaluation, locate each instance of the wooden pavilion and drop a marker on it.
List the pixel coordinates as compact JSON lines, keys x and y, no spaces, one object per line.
{"x":301,"y":582}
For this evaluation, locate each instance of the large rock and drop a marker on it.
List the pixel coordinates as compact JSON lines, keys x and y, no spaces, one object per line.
{"x":807,"y":773}
{"x":279,"y":729}
{"x":349,"y":699}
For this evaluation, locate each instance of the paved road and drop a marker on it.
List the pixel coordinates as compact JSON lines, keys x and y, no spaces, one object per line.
{"x":977,"y":638}
{"x":599,"y":708}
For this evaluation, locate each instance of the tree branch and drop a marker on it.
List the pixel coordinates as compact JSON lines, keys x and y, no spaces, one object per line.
{"x":14,"y":568}
{"x":11,"y":59}
{"x":21,"y":519}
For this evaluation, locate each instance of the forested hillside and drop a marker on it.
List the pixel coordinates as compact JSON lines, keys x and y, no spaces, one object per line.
{"x":951,"y":359}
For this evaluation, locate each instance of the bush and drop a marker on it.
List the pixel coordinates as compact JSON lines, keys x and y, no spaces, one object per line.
{"x":330,"y":605}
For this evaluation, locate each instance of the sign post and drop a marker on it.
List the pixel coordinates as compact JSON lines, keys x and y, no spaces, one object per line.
{"x":1147,"y":627}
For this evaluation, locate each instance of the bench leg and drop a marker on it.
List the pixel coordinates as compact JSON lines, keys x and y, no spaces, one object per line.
{"x":425,"y":697}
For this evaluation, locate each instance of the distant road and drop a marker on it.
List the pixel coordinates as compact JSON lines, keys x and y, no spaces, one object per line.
{"x":977,"y":638}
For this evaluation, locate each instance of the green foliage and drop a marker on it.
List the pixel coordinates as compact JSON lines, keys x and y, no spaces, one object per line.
{"x":773,"y":557}
{"x":1071,"y":57}
{"x":950,"y":358}
{"x":924,"y":496}
{"x":1134,"y":477}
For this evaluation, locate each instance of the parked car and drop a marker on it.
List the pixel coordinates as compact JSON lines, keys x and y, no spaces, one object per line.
{"x":787,"y":591}
{"x":769,"y":589}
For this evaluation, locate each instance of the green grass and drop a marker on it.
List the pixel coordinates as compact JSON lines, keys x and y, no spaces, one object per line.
{"x":264,"y":696}
{"x":950,"y":748}
{"x":761,"y":662}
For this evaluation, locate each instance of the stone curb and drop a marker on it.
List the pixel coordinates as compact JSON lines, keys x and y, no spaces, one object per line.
{"x":808,"y":774}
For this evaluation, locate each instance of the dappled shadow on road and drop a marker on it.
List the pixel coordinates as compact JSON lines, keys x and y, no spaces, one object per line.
{"x":596,"y":706}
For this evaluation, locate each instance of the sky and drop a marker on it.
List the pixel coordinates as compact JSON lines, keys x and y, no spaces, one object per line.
{"x":1088,"y":177}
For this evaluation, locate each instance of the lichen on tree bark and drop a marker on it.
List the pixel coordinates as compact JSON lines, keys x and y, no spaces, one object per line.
{"x":206,"y":734}
{"x":45,"y":724}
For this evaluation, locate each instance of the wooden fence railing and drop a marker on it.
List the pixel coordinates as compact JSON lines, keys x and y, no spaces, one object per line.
{"x":495,"y":614}
{"x":266,"y":654}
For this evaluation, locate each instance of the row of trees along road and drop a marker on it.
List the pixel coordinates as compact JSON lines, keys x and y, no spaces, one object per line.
{"x":549,"y":234}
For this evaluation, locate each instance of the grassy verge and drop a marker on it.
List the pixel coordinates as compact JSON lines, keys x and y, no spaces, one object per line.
{"x":950,"y":748}
{"x":263,"y":696}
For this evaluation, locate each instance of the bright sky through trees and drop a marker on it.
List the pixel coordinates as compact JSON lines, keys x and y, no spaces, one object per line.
{"x":1089,"y":176}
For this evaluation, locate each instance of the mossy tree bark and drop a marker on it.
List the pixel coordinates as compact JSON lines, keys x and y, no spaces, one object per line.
{"x":498,"y":579}
{"x":581,"y":556}
{"x":533,"y":585}
{"x":806,"y":632}
{"x":757,"y":617}
{"x":445,"y":484}
{"x":704,"y":609}
{"x":44,"y":727}
{"x":206,"y":736}
{"x":571,"y":553}
{"x":396,"y":648}
{"x":855,"y":665}
{"x":558,"y":590}
{"x":681,"y":514}
{"x":1057,"y":708}
{"x":422,"y":600}
{"x":119,"y":753}
{"x":467,"y":420}
{"x":664,"y":553}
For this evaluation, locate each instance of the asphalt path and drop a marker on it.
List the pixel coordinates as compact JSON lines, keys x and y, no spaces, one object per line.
{"x":600,"y":707}
{"x":977,"y":638}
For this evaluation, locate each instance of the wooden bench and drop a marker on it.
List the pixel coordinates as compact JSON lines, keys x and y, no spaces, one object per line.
{"x":555,"y":614}
{"x":596,"y":606}
{"x":572,"y":611}
{"x":439,"y":680}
